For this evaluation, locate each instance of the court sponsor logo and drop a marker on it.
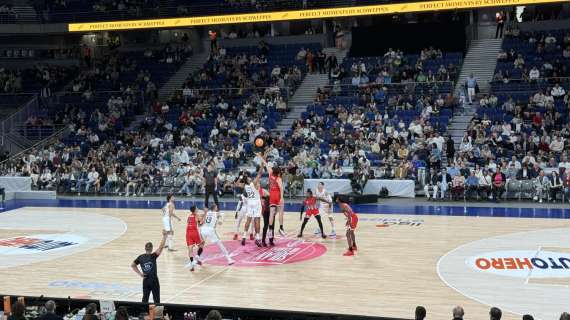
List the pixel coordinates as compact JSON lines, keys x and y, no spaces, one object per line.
{"x":285,"y":251}
{"x":387,"y":222}
{"x":88,"y":290}
{"x":526,"y":266}
{"x":523,"y":264}
{"x":39,"y":243}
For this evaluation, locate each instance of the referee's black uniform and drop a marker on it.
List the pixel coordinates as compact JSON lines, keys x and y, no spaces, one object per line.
{"x":147,"y":271}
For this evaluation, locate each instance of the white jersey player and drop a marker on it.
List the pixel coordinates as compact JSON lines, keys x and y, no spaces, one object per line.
{"x":167,"y":215}
{"x":241,"y":212}
{"x":208,"y":230}
{"x":253,"y":212}
{"x":325,"y":206}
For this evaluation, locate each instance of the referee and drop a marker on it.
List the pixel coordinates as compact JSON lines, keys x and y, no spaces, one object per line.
{"x":147,"y":271}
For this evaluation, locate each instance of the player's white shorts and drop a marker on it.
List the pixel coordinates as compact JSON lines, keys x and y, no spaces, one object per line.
{"x":167,"y":224}
{"x":243,"y":211}
{"x":326,"y":210}
{"x":209,"y":234}
{"x":254,"y":211}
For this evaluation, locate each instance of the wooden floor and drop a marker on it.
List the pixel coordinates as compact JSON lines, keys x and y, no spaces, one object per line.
{"x":395,"y":270}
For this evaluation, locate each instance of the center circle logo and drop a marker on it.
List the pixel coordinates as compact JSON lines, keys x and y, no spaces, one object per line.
{"x":39,"y":243}
{"x":512,"y":270}
{"x":285,"y":251}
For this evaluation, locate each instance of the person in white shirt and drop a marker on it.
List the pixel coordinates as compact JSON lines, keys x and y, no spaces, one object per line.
{"x":93,"y":180}
{"x":302,"y":54}
{"x":485,"y":184}
{"x":111,"y":181}
{"x":533,"y":74}
{"x":187,"y":94}
{"x":45,"y":179}
{"x":557,"y":145}
{"x":541,"y":184}
{"x":557,"y":91}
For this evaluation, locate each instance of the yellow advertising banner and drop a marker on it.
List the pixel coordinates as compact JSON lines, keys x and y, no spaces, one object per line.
{"x":424,"y":6}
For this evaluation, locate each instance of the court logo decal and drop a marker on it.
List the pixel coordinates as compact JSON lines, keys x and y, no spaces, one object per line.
{"x":522,"y":264}
{"x":387,"y":222}
{"x":87,"y":290}
{"x":525,"y":272}
{"x":285,"y":251}
{"x":39,"y":243}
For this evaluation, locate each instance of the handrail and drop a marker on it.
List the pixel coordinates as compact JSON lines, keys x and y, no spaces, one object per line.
{"x":541,"y":80}
{"x":399,"y":84}
{"x":56,"y":134}
{"x":7,"y":123}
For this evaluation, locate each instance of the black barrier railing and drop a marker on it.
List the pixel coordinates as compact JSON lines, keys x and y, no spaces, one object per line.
{"x":177,"y":311}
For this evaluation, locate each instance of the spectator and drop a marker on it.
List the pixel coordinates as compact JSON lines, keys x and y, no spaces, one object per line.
{"x":541,"y":184}
{"x":472,"y":185}
{"x":50,"y":312}
{"x":444,"y":182}
{"x":495,"y":314}
{"x":556,"y":185}
{"x":18,"y":312}
{"x":499,"y":180}
{"x":420,"y":313}
{"x":91,"y":312}
{"x":214,"y":315}
{"x":471,"y":85}
{"x":458,"y":313}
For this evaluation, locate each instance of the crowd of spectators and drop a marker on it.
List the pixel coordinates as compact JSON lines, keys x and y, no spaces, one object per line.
{"x":518,"y":141}
{"x":533,"y":57}
{"x":39,"y":79}
{"x":177,"y":139}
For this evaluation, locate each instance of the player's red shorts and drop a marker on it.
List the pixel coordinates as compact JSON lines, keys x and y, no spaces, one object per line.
{"x":352,"y":222}
{"x":312,"y":212}
{"x":193,"y":238}
{"x":274,"y":199}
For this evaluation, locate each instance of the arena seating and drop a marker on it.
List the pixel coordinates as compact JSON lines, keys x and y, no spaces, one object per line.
{"x":99,"y":120}
{"x":521,"y":127}
{"x":369,"y":125}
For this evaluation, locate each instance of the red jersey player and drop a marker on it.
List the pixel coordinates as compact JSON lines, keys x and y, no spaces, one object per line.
{"x":275,"y":200}
{"x":193,"y":237}
{"x":311,"y":208}
{"x":351,"y":223}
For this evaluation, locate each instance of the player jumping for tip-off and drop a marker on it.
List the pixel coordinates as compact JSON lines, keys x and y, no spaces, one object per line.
{"x":275,"y":200}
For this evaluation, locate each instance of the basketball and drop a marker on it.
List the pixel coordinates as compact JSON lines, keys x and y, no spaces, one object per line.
{"x":259,"y":142}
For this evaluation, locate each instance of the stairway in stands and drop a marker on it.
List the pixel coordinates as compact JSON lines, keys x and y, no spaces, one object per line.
{"x":25,"y":12}
{"x":306,"y":93}
{"x":192,"y":64}
{"x":481,"y":60}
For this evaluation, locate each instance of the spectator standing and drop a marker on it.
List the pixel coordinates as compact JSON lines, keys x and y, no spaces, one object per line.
{"x":500,"y":18}
{"x":471,"y":85}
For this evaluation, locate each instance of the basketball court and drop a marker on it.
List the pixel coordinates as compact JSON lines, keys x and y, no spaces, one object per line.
{"x":513,"y":258}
